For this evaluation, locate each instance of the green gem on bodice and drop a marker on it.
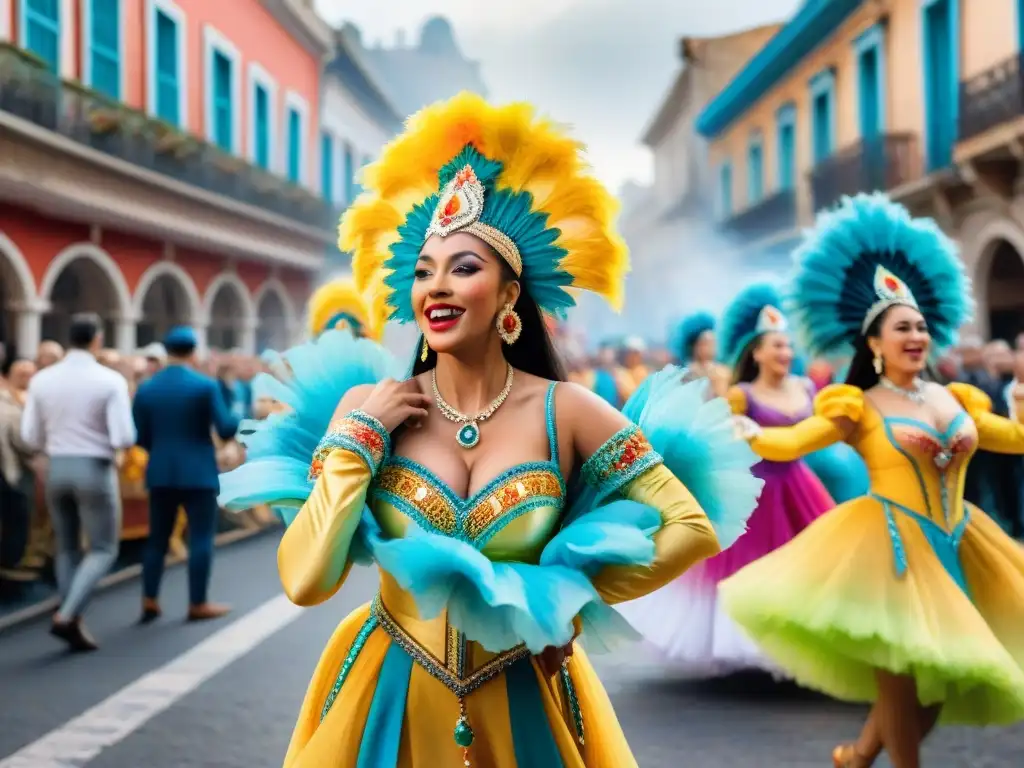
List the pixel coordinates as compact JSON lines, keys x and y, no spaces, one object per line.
{"x":463,"y":733}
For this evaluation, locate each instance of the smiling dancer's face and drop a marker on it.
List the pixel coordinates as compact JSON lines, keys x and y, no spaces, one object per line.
{"x":903,"y":341}
{"x":774,"y":354}
{"x":461,"y":284}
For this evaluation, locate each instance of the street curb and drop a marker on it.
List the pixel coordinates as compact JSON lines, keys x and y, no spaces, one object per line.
{"x":30,"y":612}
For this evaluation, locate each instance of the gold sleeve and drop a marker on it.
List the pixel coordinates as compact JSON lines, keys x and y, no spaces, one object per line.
{"x":737,"y":400}
{"x":684,"y":538}
{"x":995,"y":433}
{"x":832,"y":404}
{"x":313,"y":557}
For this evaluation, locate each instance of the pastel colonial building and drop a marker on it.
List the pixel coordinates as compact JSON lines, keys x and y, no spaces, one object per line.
{"x":357,"y":118}
{"x":919,"y":98}
{"x":677,"y":255}
{"x":158,"y":164}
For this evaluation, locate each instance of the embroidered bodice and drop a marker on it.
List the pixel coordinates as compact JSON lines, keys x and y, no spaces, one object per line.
{"x":511,"y":518}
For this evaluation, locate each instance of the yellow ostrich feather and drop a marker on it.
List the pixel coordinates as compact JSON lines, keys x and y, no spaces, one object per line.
{"x":537,"y":157}
{"x":342,"y":295}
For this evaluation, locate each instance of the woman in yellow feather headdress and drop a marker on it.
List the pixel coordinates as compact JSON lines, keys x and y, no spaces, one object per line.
{"x":339,"y":304}
{"x":481,"y":219}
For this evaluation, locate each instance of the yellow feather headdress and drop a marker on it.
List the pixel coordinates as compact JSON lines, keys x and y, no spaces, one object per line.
{"x":341,"y":304}
{"x":504,"y":174}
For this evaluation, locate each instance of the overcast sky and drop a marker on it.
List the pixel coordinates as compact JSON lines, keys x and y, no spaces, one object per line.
{"x":601,"y":65}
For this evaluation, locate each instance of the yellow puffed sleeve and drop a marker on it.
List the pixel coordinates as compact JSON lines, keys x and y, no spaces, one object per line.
{"x":737,"y":400}
{"x":833,"y":404}
{"x":313,"y":557}
{"x":995,"y":433}
{"x":629,"y":466}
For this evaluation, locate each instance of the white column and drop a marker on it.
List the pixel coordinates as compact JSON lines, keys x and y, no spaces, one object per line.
{"x":202,"y":339}
{"x":247,"y":335}
{"x":125,"y":334}
{"x":28,"y":330}
{"x":5,"y":19}
{"x":68,"y":43}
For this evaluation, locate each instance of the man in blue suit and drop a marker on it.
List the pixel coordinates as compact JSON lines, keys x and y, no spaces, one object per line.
{"x":176,"y":412}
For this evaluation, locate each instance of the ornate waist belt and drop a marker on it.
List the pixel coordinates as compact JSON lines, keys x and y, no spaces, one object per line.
{"x":455,"y":670}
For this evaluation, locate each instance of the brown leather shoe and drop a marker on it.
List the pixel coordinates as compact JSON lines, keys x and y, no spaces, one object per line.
{"x":75,"y":634}
{"x":207,"y":611}
{"x":150,"y":610}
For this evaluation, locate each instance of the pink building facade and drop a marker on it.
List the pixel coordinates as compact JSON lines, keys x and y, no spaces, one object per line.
{"x":159,"y":165}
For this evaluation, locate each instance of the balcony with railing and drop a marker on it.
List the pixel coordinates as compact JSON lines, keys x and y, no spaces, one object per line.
{"x":881,"y":164}
{"x":992,"y":98}
{"x":768,"y":216}
{"x":30,"y":92}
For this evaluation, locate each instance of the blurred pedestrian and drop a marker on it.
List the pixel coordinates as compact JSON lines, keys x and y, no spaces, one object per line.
{"x":78,"y":413}
{"x":17,"y":478}
{"x":176,"y":412}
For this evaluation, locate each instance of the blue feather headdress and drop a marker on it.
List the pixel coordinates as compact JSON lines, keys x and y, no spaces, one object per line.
{"x":866,"y":256}
{"x":755,"y":310}
{"x":688,"y":331}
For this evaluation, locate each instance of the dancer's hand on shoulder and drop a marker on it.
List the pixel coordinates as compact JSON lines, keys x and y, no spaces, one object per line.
{"x":394,"y":403}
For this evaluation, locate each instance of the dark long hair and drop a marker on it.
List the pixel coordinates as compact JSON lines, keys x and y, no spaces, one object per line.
{"x":532,"y":353}
{"x":861,"y":373}
{"x":746,"y":369}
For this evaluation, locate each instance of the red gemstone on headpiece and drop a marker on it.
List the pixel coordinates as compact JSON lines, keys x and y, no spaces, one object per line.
{"x":452,"y":207}
{"x":891,"y":284}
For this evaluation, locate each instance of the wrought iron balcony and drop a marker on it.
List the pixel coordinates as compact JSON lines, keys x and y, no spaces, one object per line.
{"x":30,"y":92}
{"x":772,"y":214}
{"x":991,"y":98}
{"x":880,"y":164}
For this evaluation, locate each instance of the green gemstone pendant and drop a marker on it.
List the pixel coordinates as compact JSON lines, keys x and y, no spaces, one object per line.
{"x":463,"y":733}
{"x":468,"y":435}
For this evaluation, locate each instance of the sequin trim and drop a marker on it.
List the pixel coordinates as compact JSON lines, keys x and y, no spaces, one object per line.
{"x":624,"y":457}
{"x":574,"y":703}
{"x":418,"y":493}
{"x":350,"y":658}
{"x":358,"y":432}
{"x":461,"y":685}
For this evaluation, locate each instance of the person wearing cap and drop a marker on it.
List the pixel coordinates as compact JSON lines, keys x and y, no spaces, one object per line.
{"x":176,"y":412}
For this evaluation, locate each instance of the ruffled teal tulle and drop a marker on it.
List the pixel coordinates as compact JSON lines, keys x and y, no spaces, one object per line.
{"x":311,"y":379}
{"x":696,"y":439}
{"x":502,"y":604}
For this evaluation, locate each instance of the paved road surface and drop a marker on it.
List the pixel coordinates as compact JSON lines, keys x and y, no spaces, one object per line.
{"x":224,"y":694}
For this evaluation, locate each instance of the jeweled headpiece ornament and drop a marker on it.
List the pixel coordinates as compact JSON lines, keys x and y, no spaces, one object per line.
{"x":866,"y":256}
{"x":502,"y":174}
{"x":339,"y":304}
{"x":753,"y":312}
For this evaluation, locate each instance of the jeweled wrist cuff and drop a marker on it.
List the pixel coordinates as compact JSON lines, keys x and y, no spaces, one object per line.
{"x":358,"y":432}
{"x":622,"y":459}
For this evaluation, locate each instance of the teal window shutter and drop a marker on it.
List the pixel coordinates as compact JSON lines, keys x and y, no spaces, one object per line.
{"x":42,"y":31}
{"x":105,"y":47}
{"x":261,"y":115}
{"x":294,"y":145}
{"x":223,"y":108}
{"x":168,"y":105}
{"x":327,"y":166}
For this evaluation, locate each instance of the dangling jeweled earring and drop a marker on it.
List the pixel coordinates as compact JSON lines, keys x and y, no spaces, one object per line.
{"x":878,"y":364}
{"x":509,"y":325}
{"x":424,"y":350}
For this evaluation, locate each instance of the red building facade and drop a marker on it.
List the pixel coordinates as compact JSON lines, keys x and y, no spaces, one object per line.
{"x":157,"y":165}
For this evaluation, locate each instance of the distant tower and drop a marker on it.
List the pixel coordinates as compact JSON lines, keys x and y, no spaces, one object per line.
{"x":438,"y":39}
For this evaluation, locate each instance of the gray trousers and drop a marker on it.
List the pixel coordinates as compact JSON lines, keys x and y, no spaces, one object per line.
{"x":82,"y":494}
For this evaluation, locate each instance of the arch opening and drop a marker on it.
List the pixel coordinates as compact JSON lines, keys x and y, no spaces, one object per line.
{"x":274,"y":323}
{"x":12,"y":297}
{"x":1004,"y":287}
{"x":81,"y":286}
{"x":227,"y":317}
{"x":165,"y":304}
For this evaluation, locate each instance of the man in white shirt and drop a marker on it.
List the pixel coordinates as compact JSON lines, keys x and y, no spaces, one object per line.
{"x":79,"y":414}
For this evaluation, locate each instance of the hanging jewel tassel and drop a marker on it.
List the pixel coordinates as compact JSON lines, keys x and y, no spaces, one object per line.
{"x":464,"y":732}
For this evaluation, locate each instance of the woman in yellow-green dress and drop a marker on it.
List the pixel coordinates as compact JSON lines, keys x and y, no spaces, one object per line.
{"x":906,"y":597}
{"x":459,"y":482}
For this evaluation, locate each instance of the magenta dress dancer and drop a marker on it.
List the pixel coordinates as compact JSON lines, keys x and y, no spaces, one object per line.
{"x":683,"y":620}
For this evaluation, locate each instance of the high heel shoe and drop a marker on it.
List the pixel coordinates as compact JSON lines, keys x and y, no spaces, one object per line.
{"x":846,"y":756}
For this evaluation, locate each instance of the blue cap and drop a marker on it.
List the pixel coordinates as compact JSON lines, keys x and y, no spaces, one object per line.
{"x":181,"y":336}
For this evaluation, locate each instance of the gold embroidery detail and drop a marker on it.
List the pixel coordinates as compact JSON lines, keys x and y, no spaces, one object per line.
{"x":413,"y":489}
{"x":460,"y":686}
{"x":452,"y":652}
{"x":535,"y":484}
